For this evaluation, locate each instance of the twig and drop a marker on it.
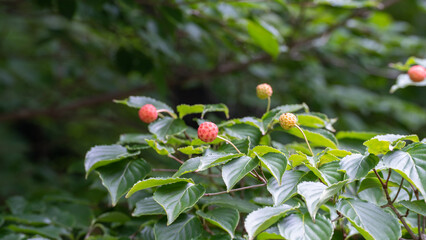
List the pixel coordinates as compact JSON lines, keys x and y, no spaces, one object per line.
{"x":187,"y":136}
{"x":234,"y":190}
{"x":175,"y":158}
{"x":389,"y":174}
{"x":390,"y":205}
{"x":259,"y":177}
{"x":69,"y":108}
{"x":163,"y":170}
{"x":399,"y":190}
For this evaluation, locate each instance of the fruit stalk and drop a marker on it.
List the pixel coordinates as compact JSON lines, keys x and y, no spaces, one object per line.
{"x":226,"y":140}
{"x":306,"y":139}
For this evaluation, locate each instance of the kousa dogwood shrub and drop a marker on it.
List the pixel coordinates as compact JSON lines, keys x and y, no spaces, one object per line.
{"x":284,"y":175}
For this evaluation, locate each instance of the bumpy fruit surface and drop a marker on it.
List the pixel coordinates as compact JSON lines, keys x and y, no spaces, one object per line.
{"x":288,"y":120}
{"x":148,"y":113}
{"x":207,"y":132}
{"x":417,"y":73}
{"x":263,"y":91}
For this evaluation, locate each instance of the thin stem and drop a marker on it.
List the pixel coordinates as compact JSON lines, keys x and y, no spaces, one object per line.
{"x":234,"y":190}
{"x":389,"y":174}
{"x":338,"y":217}
{"x":419,"y":224}
{"x":269,"y":104}
{"x":163,"y":170}
{"x":175,"y":158}
{"x":390,"y":205}
{"x":261,"y":171}
{"x":187,"y":136}
{"x":306,"y":139}
{"x":399,"y":190}
{"x":167,"y":111}
{"x":259,"y":177}
{"x":226,"y":140}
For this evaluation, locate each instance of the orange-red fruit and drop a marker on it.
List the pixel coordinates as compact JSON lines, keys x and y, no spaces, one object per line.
{"x":417,"y":73}
{"x":207,"y":132}
{"x":148,"y":113}
{"x":263,"y":91}
{"x":288,"y":120}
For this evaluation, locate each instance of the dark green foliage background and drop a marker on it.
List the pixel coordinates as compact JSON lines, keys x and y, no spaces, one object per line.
{"x":63,"y":62}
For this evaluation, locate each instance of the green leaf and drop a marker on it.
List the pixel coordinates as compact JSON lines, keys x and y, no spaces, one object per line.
{"x":269,"y":118}
{"x":331,"y":155}
{"x":103,"y":155}
{"x":159,"y":148}
{"x":249,"y":121}
{"x":309,"y":120}
{"x":147,"y":233}
{"x":204,"y":162}
{"x":270,"y":233}
{"x":185,"y":109}
{"x":328,"y":173}
{"x":276,"y":163}
{"x":263,"y":218}
{"x":138,"y":102}
{"x":148,"y":206}
{"x":119,"y":177}
{"x":300,"y":226}
{"x":316,"y":194}
{"x":384,"y":143}
{"x":241,"y":205}
{"x":29,"y":219}
{"x":283,"y":192}
{"x":331,"y":172}
{"x":262,"y":150}
{"x":348,"y":3}
{"x":242,"y":144}
{"x":357,"y":166}
{"x":155,"y":182}
{"x":244,"y":131}
{"x":317,"y":137}
{"x":110,"y":217}
{"x":263,"y":38}
{"x":166,"y":127}
{"x":132,"y":138}
{"x":417,"y":206}
{"x":186,"y":227}
{"x":356,"y":135}
{"x":189,"y":150}
{"x":225,"y":218}
{"x":177,"y":197}
{"x":410,"y":163}
{"x":373,"y":182}
{"x":371,"y":221}
{"x":46,"y":231}
{"x":403,"y":81}
{"x":235,"y":170}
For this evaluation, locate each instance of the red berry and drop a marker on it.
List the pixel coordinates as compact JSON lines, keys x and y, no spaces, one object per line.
{"x":148,"y":113}
{"x":288,"y":120}
{"x":207,"y":132}
{"x":263,"y":91}
{"x":417,"y":73}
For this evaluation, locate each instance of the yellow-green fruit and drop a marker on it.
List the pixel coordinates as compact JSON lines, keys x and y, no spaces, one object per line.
{"x":263,"y":91}
{"x":288,"y":120}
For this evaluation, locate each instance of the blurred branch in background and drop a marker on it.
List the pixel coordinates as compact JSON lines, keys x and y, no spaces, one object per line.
{"x":66,"y":58}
